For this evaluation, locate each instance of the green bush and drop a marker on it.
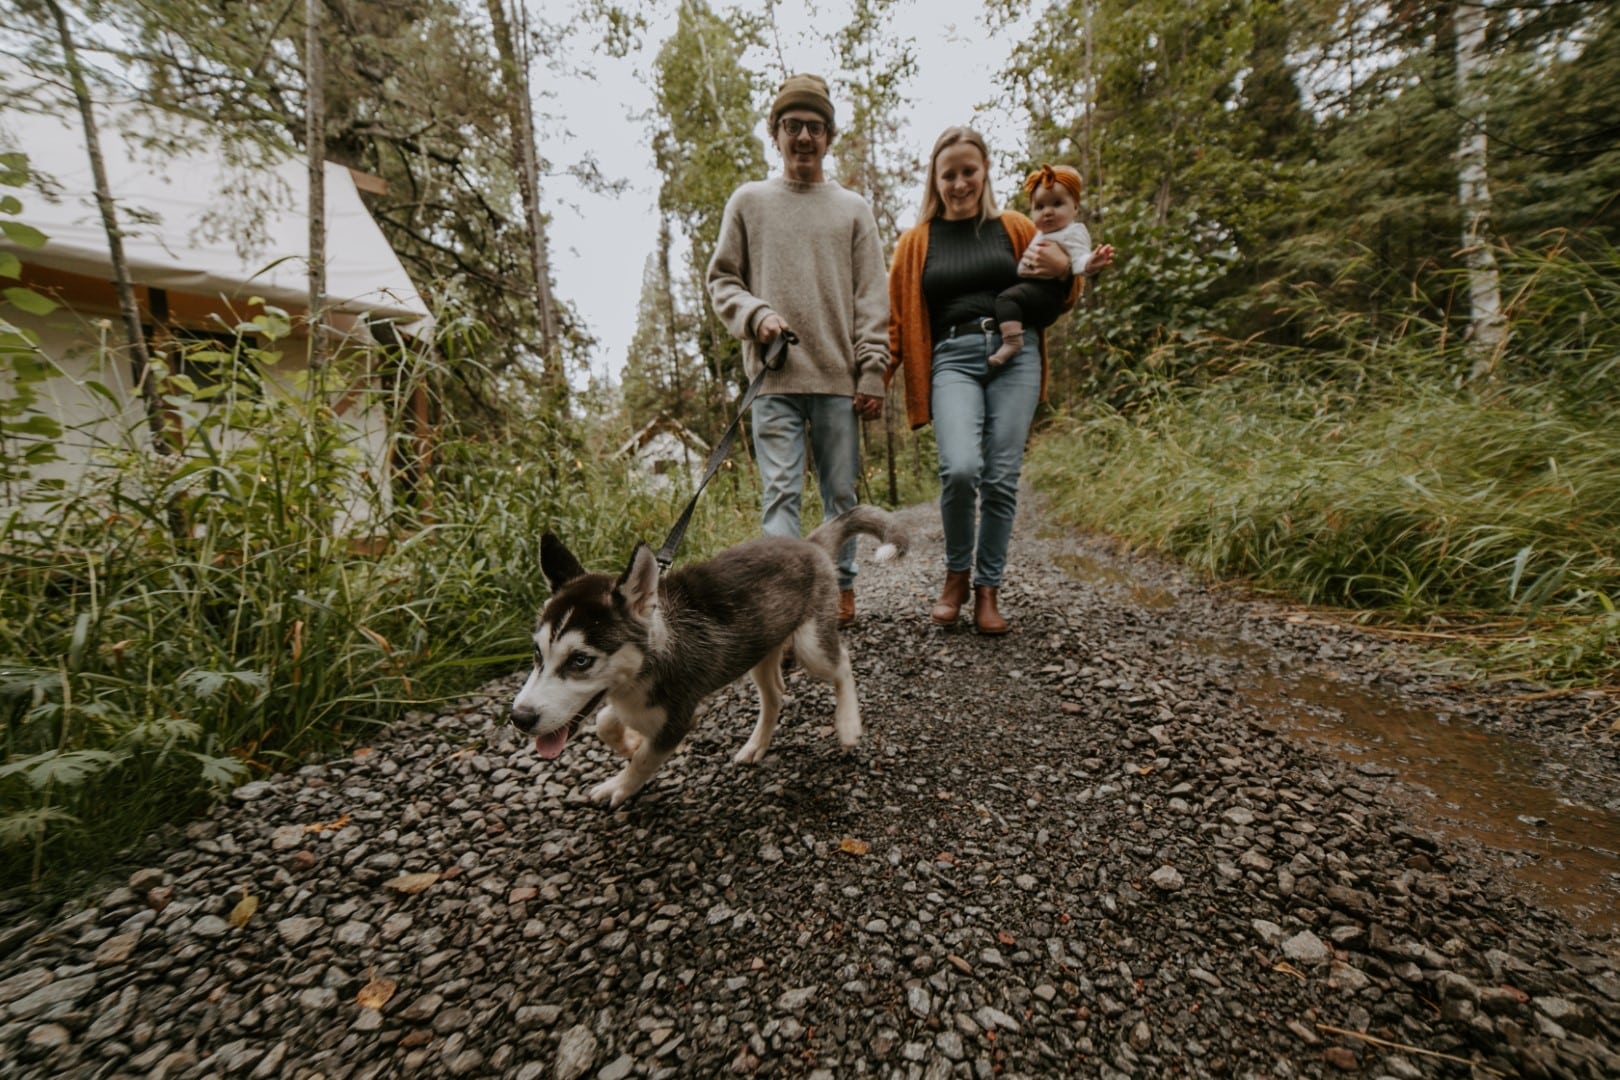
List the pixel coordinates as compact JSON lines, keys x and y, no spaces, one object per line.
{"x":1367,"y":475}
{"x":178,"y":621}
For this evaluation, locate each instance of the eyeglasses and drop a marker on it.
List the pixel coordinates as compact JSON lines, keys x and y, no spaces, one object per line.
{"x":794,"y":127}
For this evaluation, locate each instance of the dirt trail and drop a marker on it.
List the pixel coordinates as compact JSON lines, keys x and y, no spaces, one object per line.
{"x":1084,"y":849}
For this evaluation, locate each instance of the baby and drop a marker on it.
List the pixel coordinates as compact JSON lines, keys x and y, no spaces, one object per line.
{"x":1054,"y":199}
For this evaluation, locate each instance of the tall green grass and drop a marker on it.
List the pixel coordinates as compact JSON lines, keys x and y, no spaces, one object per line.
{"x":174,"y":624}
{"x":1369,"y":477}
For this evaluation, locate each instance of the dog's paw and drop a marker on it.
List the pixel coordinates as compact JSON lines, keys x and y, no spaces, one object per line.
{"x":612,"y":792}
{"x":848,"y":729}
{"x":752,"y":753}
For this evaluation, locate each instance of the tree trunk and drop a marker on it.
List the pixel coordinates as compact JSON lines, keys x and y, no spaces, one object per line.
{"x":128,"y":308}
{"x":677,"y":380}
{"x":525,"y":161}
{"x":1488,"y":326}
{"x":315,"y":152}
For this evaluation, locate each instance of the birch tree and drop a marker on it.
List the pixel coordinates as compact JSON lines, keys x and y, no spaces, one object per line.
{"x":1487,"y":324}
{"x":128,"y":308}
{"x":315,"y":155}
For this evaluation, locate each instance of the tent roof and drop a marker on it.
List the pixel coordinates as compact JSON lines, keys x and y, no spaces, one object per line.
{"x":195,"y":221}
{"x":663,"y":422}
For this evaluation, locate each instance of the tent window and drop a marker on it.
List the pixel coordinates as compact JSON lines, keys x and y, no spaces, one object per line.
{"x":209,"y":359}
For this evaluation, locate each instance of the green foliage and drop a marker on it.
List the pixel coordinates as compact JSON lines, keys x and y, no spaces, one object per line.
{"x":302,"y":604}
{"x":28,"y":438}
{"x":1361,"y":476}
{"x":869,"y":151}
{"x":705,"y":147}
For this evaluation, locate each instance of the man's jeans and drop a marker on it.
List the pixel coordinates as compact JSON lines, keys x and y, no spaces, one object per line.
{"x":780,"y":423}
{"x":981,"y":421}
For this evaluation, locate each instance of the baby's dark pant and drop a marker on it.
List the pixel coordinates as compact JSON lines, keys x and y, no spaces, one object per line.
{"x":1034,"y":302}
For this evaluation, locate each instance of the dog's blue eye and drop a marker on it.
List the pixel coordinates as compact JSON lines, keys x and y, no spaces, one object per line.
{"x":581,"y":661}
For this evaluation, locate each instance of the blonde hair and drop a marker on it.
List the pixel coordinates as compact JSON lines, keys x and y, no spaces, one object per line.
{"x":932,"y":205}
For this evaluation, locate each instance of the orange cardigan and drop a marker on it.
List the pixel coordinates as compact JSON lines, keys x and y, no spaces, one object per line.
{"x":911,"y":340}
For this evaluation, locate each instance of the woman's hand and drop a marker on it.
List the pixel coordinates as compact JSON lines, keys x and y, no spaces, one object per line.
{"x":867,"y":407}
{"x":1048,"y":260}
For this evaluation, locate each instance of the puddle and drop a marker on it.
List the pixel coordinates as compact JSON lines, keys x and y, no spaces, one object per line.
{"x":1482,"y":785}
{"x":1096,"y":572}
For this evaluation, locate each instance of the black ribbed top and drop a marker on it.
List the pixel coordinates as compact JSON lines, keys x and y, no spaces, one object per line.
{"x":967,"y":264}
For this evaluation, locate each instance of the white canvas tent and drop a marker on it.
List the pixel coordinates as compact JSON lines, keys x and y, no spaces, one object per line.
{"x":196,"y":222}
{"x":665,"y":448}
{"x":207,"y":233}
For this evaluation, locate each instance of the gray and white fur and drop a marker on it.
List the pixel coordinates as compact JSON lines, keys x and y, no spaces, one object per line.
{"x":642,"y":651}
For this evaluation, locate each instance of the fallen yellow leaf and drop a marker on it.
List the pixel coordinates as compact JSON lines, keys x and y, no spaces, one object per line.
{"x":412,"y":883}
{"x":324,"y":826}
{"x":243,"y":911}
{"x":375,"y":994}
{"x":1289,"y":969}
{"x":363,"y":752}
{"x":854,"y":847}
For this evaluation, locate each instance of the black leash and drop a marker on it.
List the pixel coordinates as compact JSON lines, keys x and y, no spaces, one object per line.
{"x":775,"y":357}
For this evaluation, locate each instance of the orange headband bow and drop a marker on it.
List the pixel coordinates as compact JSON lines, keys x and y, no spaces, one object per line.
{"x":1050,"y":176}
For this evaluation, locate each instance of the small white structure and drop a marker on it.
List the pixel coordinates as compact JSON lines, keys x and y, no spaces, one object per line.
{"x":209,"y":240}
{"x":666,"y":449}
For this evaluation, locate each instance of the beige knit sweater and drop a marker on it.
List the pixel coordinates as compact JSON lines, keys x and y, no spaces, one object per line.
{"x":811,"y":254}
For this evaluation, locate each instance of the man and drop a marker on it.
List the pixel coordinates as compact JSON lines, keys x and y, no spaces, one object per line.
{"x":798,"y":252}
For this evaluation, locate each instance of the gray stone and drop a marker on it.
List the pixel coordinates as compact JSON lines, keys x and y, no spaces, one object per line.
{"x":576,"y":1052}
{"x":1306,"y":948}
{"x":297,"y":930}
{"x":1167,"y":879}
{"x":24,"y":983}
{"x":795,"y":1000}
{"x":52,"y":997}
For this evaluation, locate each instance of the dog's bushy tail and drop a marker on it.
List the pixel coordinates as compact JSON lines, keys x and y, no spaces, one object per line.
{"x":863,"y":521}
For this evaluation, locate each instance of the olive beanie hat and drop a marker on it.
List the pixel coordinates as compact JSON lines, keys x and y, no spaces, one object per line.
{"x":803,"y":92}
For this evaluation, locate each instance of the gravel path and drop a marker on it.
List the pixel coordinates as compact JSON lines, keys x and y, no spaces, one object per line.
{"x":1069,"y":852}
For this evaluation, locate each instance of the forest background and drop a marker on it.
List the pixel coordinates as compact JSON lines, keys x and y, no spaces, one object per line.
{"x":1360,"y":350}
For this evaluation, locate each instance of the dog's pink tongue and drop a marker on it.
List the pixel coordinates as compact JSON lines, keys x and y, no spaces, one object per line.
{"x":551,"y":743}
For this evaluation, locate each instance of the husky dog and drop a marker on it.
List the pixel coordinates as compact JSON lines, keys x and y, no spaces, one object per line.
{"x":648,"y":648}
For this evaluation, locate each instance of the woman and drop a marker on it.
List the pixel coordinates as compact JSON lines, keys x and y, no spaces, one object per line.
{"x":947,"y":271}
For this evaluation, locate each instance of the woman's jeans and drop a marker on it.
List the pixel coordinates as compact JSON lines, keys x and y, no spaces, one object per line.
{"x":981,"y":421}
{"x":780,"y":425}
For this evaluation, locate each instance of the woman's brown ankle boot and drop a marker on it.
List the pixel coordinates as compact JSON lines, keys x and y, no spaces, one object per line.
{"x":986,"y":619}
{"x":949,"y":605}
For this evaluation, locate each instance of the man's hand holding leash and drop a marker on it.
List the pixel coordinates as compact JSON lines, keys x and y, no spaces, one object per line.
{"x":772,"y":326}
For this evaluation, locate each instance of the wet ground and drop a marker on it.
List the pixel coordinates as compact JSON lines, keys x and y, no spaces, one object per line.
{"x":1516,"y":799}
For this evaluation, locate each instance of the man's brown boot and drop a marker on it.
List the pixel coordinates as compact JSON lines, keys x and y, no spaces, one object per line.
{"x":986,"y":619}
{"x":951,"y":598}
{"x":846,"y":607}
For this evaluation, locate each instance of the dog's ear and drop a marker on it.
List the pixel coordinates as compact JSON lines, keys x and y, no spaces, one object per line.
{"x":557,"y":563}
{"x":638,"y":588}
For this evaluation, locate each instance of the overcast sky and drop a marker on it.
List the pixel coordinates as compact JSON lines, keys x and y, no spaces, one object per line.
{"x":599,"y":244}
